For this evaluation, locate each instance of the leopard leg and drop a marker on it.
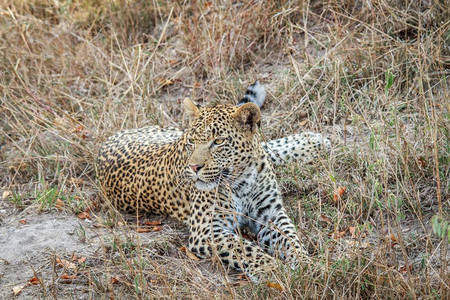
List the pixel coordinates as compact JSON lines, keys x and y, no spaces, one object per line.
{"x":274,"y":230}
{"x":280,"y":239}
{"x":212,"y":232}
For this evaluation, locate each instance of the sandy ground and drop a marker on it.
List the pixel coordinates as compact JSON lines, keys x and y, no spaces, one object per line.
{"x":33,"y":247}
{"x":51,"y":244}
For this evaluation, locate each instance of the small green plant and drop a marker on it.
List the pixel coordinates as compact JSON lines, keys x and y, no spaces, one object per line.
{"x":138,"y":281}
{"x":342,"y":264}
{"x":389,"y":81}
{"x":16,"y":199}
{"x":374,"y":143}
{"x":440,"y":227}
{"x":81,"y":231}
{"x":47,"y":198}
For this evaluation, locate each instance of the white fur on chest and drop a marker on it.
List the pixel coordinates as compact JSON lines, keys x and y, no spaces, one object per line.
{"x":242,"y":194}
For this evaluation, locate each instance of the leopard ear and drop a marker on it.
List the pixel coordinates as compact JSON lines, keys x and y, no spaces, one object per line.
{"x":190,"y":108}
{"x":248,"y":116}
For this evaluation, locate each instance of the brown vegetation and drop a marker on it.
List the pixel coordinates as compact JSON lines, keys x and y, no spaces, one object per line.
{"x":370,"y":74}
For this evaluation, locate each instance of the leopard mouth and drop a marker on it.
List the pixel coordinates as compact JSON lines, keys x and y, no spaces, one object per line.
{"x":209,"y":183}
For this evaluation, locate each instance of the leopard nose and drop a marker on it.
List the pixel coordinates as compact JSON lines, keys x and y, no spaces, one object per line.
{"x":196,"y":168}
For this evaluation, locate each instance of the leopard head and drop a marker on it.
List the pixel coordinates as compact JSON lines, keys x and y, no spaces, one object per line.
{"x":221,"y":142}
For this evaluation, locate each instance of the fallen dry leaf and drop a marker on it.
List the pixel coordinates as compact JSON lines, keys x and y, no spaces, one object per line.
{"x":152,"y":223}
{"x":303,"y":122}
{"x":338,"y":193}
{"x":114,"y":280}
{"x":59,"y":204}
{"x":243,"y":280}
{"x":23,"y":221}
{"x":240,"y":283}
{"x":274,"y":285}
{"x":422,"y":163}
{"x":337,"y":234}
{"x":88,"y":209}
{"x":405,"y":269}
{"x":34,"y":280}
{"x":79,"y":128}
{"x":6,"y":195}
{"x":157,"y":228}
{"x":65,"y":264}
{"x":84,"y":215}
{"x":65,"y":276}
{"x":189,"y":253}
{"x":78,"y":259}
{"x":81,"y":132}
{"x":325,"y":219}
{"x":394,"y":240}
{"x":149,"y":229}
{"x":74,"y":257}
{"x":18,"y":289}
{"x":243,"y":276}
{"x":81,"y":260}
{"x":352,"y":231}
{"x":208,"y":4}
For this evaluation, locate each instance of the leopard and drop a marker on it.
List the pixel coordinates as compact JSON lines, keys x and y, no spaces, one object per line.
{"x":217,"y":176}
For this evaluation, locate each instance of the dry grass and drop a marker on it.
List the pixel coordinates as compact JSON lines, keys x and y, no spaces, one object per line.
{"x":373,"y":75}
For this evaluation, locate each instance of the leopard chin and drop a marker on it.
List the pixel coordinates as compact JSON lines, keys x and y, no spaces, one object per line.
{"x":205,"y":186}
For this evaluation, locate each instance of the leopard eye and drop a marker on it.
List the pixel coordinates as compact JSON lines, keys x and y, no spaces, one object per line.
{"x":219,"y":141}
{"x":190,"y":141}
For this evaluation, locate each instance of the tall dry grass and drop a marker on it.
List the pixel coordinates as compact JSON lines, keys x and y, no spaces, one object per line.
{"x":372,"y":75}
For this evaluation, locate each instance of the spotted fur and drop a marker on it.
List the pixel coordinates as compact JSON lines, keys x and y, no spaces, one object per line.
{"x":217,"y":177}
{"x":303,"y":147}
